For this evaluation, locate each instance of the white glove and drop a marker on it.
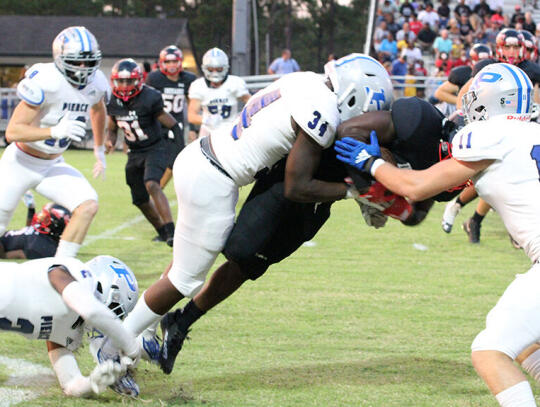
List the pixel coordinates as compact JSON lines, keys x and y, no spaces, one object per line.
{"x":28,"y":199}
{"x":101,"y":163}
{"x":212,"y":120}
{"x":68,"y":128}
{"x":105,"y":374}
{"x":373,"y":217}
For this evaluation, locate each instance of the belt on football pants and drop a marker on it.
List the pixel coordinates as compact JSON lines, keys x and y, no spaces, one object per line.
{"x":210,"y":156}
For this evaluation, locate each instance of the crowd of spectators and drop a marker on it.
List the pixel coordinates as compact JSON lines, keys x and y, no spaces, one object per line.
{"x":408,"y":30}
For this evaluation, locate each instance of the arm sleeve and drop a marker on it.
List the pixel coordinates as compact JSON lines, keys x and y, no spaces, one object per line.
{"x":97,"y":315}
{"x":72,"y":382}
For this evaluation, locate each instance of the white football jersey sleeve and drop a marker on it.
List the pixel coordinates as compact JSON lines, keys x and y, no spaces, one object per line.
{"x":511,"y":185}
{"x":29,"y":305}
{"x":46,"y":87}
{"x":263,"y":133}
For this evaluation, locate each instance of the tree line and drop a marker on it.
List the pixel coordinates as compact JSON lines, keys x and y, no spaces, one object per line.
{"x":312,"y":29}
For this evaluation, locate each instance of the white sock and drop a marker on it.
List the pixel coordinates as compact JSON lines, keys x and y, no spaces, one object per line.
{"x":141,"y":317}
{"x":67,"y":249}
{"x":519,"y":395}
{"x":532,"y":365}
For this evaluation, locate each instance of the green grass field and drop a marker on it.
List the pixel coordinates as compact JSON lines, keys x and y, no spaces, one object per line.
{"x":360,"y":319}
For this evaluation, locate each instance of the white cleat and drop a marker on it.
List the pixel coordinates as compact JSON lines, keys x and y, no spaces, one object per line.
{"x":449,"y":215}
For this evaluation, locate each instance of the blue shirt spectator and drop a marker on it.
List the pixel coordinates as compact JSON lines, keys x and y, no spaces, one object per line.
{"x":399,"y":68}
{"x":442,"y":43}
{"x":283,"y":65}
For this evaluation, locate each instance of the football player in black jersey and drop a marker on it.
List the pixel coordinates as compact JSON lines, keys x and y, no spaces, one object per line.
{"x":39,"y":238}
{"x":270,"y":227}
{"x":139,"y":111}
{"x":173,"y":83}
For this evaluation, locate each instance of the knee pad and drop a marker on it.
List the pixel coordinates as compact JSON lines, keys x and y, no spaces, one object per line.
{"x":186,"y":285}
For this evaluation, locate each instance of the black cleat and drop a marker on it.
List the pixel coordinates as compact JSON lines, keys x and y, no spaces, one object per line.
{"x":170,"y":241}
{"x":472,"y":229}
{"x":173,"y":339}
{"x":158,"y":238}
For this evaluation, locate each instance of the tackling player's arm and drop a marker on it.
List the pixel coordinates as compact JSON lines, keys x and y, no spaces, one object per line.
{"x":302,"y":163}
{"x":245,"y":98}
{"x":96,"y":314}
{"x":111,"y":135}
{"x":447,"y":92}
{"x":98,"y":117}
{"x":421,"y":185}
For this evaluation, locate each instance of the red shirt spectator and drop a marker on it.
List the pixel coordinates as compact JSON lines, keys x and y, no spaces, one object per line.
{"x":415,"y":25}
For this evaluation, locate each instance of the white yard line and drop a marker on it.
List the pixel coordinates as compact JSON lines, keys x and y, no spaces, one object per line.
{"x":23,"y":374}
{"x":110,"y":233}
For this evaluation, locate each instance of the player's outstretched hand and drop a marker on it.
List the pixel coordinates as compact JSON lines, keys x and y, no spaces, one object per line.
{"x":101,"y":163}
{"x":356,"y":153}
{"x":105,"y":374}
{"x":69,"y":128}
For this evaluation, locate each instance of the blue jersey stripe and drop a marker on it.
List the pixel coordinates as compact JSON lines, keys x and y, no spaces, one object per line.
{"x":529,"y":90}
{"x":518,"y":82}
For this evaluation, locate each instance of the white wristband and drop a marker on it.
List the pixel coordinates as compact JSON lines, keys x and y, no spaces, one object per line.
{"x":376,"y":164}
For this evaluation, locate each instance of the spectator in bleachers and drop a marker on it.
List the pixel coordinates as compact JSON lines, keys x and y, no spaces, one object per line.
{"x":465,"y":30}
{"x":529,"y":23}
{"x":517,"y":17}
{"x":381,"y":32}
{"x":442,"y":43}
{"x":388,"y":7}
{"x":412,"y":53}
{"x":495,"y":4}
{"x":415,"y":25}
{"x":391,"y":25}
{"x":462,"y":8}
{"x":425,"y":37}
{"x":399,"y":68}
{"x":388,"y":49}
{"x":283,"y":65}
{"x":406,"y":10}
{"x":453,"y":30}
{"x":429,"y":16}
{"x":420,"y":68}
{"x":444,"y":13}
{"x":482,"y":9}
{"x":410,"y":90}
{"x":443,"y":62}
{"x":405,"y":34}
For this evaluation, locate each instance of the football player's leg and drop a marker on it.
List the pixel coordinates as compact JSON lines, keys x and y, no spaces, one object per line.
{"x":155,"y":164}
{"x":66,"y":186}
{"x":511,"y":327}
{"x":19,"y":173}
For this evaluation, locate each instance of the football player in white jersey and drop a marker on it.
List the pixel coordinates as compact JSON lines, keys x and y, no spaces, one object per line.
{"x":69,"y":297}
{"x":57,"y":99}
{"x":213,"y":100}
{"x":297,"y":115}
{"x":500,"y":151}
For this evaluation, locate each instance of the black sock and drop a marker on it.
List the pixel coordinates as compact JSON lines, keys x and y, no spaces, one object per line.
{"x":458,"y":201}
{"x":190,"y":314}
{"x":477,"y":217}
{"x":168,"y":229}
{"x":162,"y":231}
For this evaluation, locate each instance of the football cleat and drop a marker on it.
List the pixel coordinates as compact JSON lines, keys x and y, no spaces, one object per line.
{"x":150,"y":345}
{"x":472,"y":228}
{"x":449,"y":216}
{"x":173,"y":338}
{"x":28,"y":199}
{"x":158,"y":238}
{"x":126,"y":386}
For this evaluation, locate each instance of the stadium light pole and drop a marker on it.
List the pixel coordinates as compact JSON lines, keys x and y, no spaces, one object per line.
{"x":369,"y":30}
{"x":240,"y":38}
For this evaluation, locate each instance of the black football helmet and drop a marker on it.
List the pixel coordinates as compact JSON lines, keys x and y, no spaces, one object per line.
{"x":126,"y":79}
{"x":479,"y":52}
{"x":51,"y":220}
{"x":168,"y":54}
{"x":509,"y":37}
{"x":530,"y":45}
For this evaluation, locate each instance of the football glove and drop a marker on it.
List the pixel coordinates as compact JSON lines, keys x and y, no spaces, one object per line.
{"x":105,"y":374}
{"x":373,"y":217}
{"x":358,"y":154}
{"x":69,"y":128}
{"x":387,"y":202}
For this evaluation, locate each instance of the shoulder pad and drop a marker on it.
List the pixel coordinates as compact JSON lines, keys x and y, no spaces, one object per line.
{"x":479,"y":141}
{"x":197,"y":89}
{"x":100,"y":82}
{"x":46,"y":76}
{"x":30,"y":92}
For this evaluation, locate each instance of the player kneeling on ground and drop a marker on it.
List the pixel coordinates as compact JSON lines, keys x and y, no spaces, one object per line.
{"x":69,"y":296}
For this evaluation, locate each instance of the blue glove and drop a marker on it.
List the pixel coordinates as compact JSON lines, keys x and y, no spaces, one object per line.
{"x":358,"y":154}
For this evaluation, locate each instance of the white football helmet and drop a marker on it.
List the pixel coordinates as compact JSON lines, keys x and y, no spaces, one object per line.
{"x":116,"y":284}
{"x":499,"y":89}
{"x":361,"y":84}
{"x":77,"y":55}
{"x":215,"y":65}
